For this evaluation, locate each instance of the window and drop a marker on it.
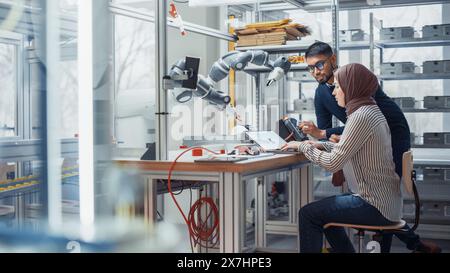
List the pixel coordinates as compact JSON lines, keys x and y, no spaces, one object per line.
{"x":9,"y":90}
{"x":134,"y":82}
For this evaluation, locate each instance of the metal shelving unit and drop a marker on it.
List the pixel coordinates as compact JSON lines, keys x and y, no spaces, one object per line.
{"x":301,"y":46}
{"x":424,"y":110}
{"x":356,"y":45}
{"x":289,"y":48}
{"x":415,"y":76}
{"x":315,"y":5}
{"x":439,"y":192}
{"x":297,"y":48}
{"x":271,"y":223}
{"x":292,"y":79}
{"x":416,"y":42}
{"x":431,"y":190}
{"x":430,"y":146}
{"x":302,"y":112}
{"x":435,"y":161}
{"x":434,"y":194}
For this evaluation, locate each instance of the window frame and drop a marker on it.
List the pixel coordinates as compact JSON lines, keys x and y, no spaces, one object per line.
{"x":17,"y":40}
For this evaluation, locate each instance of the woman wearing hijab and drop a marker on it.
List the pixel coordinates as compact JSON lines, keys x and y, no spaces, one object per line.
{"x":364,"y":154}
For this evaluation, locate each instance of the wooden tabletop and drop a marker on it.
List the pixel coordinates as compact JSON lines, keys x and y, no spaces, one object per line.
{"x":250,"y":165}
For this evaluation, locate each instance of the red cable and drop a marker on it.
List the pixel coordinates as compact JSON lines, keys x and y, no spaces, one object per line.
{"x":198,"y":229}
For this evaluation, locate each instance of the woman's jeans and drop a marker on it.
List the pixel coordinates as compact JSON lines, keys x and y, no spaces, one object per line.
{"x":346,"y":208}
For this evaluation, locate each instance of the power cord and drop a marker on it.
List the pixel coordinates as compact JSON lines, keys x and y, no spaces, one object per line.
{"x":199,"y":230}
{"x":190,"y":205}
{"x":175,"y":193}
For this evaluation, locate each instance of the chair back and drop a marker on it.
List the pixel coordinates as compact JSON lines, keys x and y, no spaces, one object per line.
{"x":407,"y":170}
{"x":409,"y":181}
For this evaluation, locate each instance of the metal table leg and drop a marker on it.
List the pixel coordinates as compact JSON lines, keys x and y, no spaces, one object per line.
{"x":231,"y":216}
{"x":150,"y":199}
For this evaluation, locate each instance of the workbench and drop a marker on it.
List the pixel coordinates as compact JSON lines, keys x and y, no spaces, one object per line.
{"x":229,"y":177}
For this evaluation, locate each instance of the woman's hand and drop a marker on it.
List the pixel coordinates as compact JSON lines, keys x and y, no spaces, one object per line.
{"x":293,"y":145}
{"x":316,"y":144}
{"x":334,"y":138}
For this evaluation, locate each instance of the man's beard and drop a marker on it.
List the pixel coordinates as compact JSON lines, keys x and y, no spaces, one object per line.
{"x":326,"y":79}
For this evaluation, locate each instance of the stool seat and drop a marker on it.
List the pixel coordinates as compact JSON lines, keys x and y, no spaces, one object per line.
{"x":398,"y":225}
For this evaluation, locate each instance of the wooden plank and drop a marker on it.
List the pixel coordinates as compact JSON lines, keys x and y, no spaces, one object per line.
{"x":291,"y":37}
{"x":277,"y":42}
{"x":269,"y":24}
{"x":246,"y":31}
{"x":278,"y":35}
{"x":262,"y":42}
{"x":294,"y":32}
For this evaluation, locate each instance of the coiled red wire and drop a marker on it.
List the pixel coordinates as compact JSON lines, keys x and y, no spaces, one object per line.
{"x":200,"y":232}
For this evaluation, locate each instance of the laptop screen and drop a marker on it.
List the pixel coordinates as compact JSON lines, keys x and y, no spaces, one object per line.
{"x":268,"y":140}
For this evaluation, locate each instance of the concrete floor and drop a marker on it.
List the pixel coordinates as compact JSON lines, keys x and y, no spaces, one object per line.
{"x":283,"y":243}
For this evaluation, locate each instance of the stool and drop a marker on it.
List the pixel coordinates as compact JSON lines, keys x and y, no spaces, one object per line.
{"x":408,"y":178}
{"x":363,"y":228}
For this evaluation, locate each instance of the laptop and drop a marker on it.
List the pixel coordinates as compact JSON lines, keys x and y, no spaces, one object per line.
{"x":270,"y":142}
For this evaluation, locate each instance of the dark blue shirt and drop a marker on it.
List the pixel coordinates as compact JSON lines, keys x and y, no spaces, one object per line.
{"x":326,"y":107}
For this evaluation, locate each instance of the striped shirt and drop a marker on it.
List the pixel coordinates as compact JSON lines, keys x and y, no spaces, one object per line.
{"x":364,"y":153}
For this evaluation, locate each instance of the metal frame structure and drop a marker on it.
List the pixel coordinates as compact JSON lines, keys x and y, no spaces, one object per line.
{"x":321,"y":5}
{"x":231,"y":202}
{"x":26,"y":26}
{"x":297,"y":194}
{"x":29,"y":150}
{"x":161,"y":24}
{"x":120,"y":9}
{"x":161,"y":65}
{"x":22,"y":148}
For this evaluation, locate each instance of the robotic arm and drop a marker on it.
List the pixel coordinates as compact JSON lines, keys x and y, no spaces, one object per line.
{"x":233,"y":60}
{"x":239,"y":60}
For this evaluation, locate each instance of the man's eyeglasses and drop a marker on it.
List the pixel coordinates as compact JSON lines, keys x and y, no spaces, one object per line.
{"x":319,"y":65}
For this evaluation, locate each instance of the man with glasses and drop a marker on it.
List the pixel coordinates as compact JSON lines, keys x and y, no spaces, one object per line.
{"x":321,"y":64}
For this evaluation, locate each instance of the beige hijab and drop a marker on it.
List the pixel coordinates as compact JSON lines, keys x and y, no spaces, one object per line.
{"x":359,"y":85}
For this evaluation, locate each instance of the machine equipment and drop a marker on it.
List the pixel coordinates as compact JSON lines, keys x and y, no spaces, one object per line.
{"x":186,"y":70}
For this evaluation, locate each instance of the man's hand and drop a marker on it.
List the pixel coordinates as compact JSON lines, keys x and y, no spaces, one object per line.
{"x":334,"y":138}
{"x":308,"y":127}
